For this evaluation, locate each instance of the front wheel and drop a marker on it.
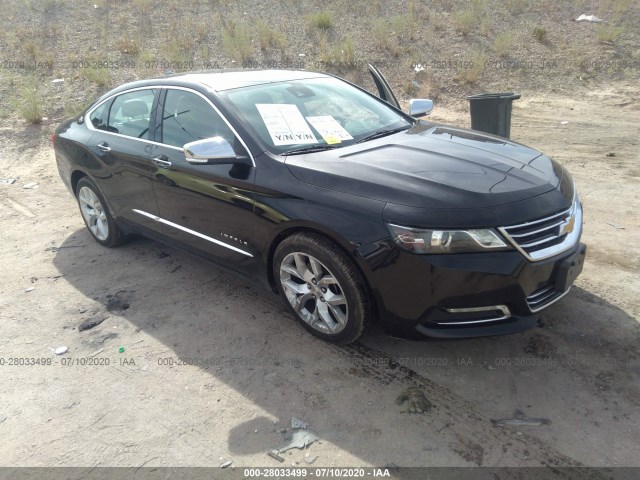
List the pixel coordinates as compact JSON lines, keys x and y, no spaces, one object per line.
{"x":321,"y":287}
{"x":96,"y":216}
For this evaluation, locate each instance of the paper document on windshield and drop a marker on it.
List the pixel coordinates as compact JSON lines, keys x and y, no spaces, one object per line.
{"x":329,"y":128}
{"x":285,"y":124}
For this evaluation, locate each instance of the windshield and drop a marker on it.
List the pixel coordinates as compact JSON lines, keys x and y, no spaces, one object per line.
{"x":317,"y":112}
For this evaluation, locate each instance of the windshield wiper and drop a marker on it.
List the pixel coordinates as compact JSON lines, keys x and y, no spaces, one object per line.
{"x":384,"y":133}
{"x":311,"y":149}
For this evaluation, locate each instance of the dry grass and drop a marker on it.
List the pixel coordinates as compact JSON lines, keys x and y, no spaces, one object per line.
{"x":35,"y":53}
{"x":46,"y":5}
{"x":321,"y":20}
{"x":485,"y":27}
{"x":143,"y":6}
{"x":405,"y":26}
{"x":609,"y":33}
{"x":98,"y":76}
{"x":540,"y":34}
{"x":28,"y":102}
{"x":179,"y":51}
{"x":614,"y":9}
{"x":579,"y":5}
{"x":411,"y":88}
{"x":31,"y":49}
{"x":128,"y":46}
{"x":74,"y":106}
{"x":145,"y":62}
{"x":201,"y":31}
{"x":237,"y":42}
{"x":267,"y":37}
{"x":342,"y":54}
{"x":348,"y":50}
{"x":398,"y":25}
{"x":465,"y":21}
{"x":418,"y":12}
{"x":438,"y":22}
{"x":414,"y":17}
{"x":516,"y":6}
{"x":503,"y":43}
{"x":380,"y":32}
{"x":194,"y":31}
{"x":472,"y":68}
{"x":479,"y":7}
{"x":51,"y":5}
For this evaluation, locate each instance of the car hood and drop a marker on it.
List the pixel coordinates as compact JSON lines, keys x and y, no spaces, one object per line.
{"x":432,"y":166}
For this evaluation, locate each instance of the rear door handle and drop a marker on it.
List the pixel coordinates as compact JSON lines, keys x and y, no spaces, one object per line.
{"x":161,"y":161}
{"x":103,"y":147}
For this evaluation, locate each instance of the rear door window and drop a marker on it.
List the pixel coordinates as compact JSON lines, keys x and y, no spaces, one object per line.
{"x":130,"y":114}
{"x":99,"y":116}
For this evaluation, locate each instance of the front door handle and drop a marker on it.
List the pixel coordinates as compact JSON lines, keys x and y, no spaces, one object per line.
{"x":103,"y":147}
{"x":161,"y":161}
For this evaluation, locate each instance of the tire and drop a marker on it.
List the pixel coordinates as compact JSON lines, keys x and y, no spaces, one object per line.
{"x":96,"y":215}
{"x":321,"y":287}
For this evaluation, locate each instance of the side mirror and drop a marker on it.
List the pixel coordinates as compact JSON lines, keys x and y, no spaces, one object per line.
{"x":216,"y":148}
{"x":419,"y":107}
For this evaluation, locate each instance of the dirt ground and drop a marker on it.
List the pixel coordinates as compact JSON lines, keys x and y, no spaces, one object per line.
{"x":255,"y":368}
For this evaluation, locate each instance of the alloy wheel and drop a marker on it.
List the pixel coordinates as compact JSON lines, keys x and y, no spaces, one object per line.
{"x":314,"y":292}
{"x":93,"y":213}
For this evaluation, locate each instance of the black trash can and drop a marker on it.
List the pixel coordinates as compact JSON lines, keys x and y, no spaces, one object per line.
{"x":491,"y":112}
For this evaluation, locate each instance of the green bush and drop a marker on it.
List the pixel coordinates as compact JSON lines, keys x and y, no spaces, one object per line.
{"x":540,"y":34}
{"x":321,"y":20}
{"x":29,"y":102}
{"x":237,"y":42}
{"x":465,"y":21}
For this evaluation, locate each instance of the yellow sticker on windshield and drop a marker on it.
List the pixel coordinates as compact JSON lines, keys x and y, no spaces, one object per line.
{"x":331,"y":139}
{"x":329,"y":129}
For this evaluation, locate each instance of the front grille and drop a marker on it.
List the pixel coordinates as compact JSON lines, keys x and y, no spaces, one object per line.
{"x":543,"y":238}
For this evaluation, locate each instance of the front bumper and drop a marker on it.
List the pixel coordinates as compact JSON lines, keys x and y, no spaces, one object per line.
{"x":465,"y":295}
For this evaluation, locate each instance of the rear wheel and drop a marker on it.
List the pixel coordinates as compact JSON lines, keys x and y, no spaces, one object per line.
{"x":321,"y":287}
{"x":96,"y":215}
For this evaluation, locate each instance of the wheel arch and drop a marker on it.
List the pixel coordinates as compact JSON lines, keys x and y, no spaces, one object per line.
{"x":347,"y":248}
{"x":76,"y":175}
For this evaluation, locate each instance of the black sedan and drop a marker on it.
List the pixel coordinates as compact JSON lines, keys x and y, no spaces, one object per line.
{"x":351,"y":209}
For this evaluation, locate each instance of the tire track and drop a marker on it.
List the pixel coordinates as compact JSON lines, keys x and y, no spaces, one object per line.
{"x":20,"y":208}
{"x":455,"y":420}
{"x":475,"y":438}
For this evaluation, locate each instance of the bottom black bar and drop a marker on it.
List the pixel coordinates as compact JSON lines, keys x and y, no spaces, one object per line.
{"x":233,"y":473}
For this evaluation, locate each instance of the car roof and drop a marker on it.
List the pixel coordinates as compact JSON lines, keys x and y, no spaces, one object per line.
{"x":220,"y":80}
{"x":217,"y":80}
{"x":229,"y":79}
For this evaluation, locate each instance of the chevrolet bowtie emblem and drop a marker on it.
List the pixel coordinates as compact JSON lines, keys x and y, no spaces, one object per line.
{"x":568,"y":226}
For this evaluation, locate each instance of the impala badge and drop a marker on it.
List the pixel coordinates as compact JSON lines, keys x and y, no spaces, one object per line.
{"x":234,"y":239}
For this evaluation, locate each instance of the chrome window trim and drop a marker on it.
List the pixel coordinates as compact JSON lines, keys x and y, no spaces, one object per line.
{"x":192,"y":232}
{"x":90,"y":126}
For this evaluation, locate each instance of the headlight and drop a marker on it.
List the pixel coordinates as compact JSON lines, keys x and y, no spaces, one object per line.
{"x":417,"y":240}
